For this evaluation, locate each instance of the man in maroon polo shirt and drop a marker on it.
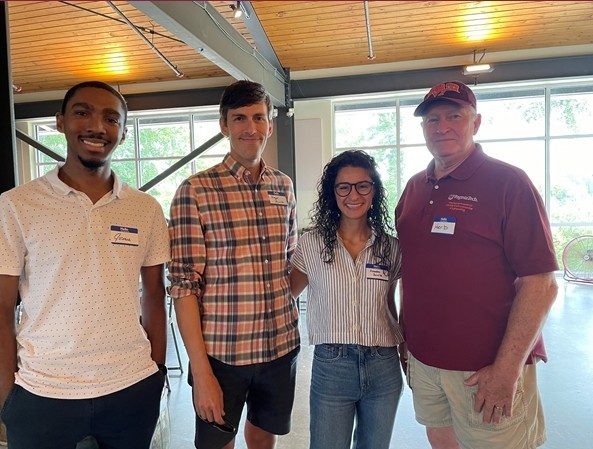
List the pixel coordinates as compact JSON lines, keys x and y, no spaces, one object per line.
{"x":478,"y":282}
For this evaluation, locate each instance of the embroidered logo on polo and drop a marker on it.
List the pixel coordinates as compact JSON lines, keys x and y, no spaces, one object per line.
{"x":122,"y":235}
{"x":461,"y":203}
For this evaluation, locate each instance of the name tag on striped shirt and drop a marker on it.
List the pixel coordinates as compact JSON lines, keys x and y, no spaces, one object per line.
{"x":377,"y":272}
{"x":277,"y":197}
{"x":122,"y":235}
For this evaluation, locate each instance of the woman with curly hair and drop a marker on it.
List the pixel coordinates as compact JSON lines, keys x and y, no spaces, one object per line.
{"x":351,"y":265}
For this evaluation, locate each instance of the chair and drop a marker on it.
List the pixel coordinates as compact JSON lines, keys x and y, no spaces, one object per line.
{"x":171,"y":321}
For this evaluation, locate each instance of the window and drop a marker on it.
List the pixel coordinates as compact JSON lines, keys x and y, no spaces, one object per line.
{"x":571,"y":176}
{"x":154,"y":142}
{"x":546,"y":129}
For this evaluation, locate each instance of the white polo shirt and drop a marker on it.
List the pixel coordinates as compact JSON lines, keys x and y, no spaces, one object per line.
{"x":347,"y":300}
{"x":80,"y":335}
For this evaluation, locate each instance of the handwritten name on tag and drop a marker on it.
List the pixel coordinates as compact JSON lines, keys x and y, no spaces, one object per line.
{"x":443,"y":225}
{"x":376,"y":272}
{"x":277,"y":197}
{"x":122,"y":235}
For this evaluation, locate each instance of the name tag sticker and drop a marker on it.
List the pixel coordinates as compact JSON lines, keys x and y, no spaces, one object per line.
{"x":443,"y":225}
{"x":122,"y":235}
{"x":377,"y":272}
{"x":278,"y":198}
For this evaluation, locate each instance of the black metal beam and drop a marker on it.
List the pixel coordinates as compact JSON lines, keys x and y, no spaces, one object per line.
{"x":8,"y":148}
{"x":136,"y":102}
{"x":39,"y":146}
{"x":533,"y":69}
{"x":181,"y":162}
{"x":285,"y":138}
{"x":350,"y":85}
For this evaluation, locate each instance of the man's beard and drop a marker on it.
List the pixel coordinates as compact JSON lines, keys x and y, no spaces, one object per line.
{"x":91,"y":164}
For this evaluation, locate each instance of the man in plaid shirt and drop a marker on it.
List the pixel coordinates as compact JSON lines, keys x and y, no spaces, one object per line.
{"x":233,"y":228}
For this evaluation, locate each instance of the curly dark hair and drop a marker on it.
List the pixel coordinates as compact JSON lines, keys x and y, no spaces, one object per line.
{"x":325,"y":216}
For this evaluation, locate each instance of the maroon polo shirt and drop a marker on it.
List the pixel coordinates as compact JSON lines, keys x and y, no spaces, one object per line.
{"x":459,"y":274}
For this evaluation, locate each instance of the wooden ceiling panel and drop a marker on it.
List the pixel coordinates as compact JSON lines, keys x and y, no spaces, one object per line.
{"x":315,"y":35}
{"x":56,"y":44}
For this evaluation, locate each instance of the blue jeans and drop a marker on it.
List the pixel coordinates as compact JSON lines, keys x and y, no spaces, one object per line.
{"x":348,"y":382}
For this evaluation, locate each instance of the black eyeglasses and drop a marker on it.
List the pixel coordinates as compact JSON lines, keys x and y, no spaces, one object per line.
{"x":344,"y":188}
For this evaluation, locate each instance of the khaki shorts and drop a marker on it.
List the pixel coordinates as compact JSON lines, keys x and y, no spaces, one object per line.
{"x":442,"y":400}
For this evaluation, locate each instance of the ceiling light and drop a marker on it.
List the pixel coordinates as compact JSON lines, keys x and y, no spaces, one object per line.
{"x":238,"y":11}
{"x":476,"y":69}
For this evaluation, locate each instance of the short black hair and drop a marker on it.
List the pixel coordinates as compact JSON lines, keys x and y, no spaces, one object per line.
{"x":244,"y":93}
{"x":97,"y":85}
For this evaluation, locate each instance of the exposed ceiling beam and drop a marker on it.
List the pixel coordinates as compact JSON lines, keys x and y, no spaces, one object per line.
{"x":200,"y":26}
{"x":262,"y":42}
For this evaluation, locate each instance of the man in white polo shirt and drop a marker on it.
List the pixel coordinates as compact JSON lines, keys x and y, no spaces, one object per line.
{"x":73,"y":243}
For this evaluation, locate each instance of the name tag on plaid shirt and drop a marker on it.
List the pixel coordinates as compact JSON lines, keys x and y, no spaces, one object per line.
{"x":278,"y":198}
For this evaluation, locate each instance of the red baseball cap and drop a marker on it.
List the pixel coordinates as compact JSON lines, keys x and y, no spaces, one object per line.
{"x":452,"y":91}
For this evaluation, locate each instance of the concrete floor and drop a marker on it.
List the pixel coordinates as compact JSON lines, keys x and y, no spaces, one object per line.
{"x":566,"y":385}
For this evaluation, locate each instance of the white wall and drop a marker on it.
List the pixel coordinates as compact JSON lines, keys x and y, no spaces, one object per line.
{"x":313,"y":146}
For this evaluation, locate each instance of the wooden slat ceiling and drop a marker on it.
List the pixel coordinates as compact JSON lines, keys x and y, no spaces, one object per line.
{"x":315,"y":35}
{"x":56,"y":44}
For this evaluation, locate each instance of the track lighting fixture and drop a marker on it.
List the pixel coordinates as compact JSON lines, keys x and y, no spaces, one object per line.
{"x":238,"y":11}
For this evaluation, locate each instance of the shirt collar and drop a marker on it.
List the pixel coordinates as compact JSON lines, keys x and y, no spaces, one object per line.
{"x":238,"y":171}
{"x":120,"y":188}
{"x":467,"y":168}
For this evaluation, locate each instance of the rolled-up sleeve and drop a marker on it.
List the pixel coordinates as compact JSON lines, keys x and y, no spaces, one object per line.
{"x":188,"y":251}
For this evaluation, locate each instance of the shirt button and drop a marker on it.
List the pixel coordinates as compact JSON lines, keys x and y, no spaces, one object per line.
{"x":261,"y":214}
{"x":430,"y":202}
{"x":268,"y":285}
{"x":266,"y":261}
{"x":436,"y":187}
{"x":264,"y":237}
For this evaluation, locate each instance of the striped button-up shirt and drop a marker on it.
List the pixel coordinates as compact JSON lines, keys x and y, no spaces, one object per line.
{"x":347,"y":300}
{"x":231,"y":238}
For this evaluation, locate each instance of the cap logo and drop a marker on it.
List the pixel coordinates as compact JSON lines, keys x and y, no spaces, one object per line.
{"x":441,"y":89}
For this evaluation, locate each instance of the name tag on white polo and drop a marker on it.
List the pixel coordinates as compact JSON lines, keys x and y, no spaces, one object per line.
{"x":277,"y":197}
{"x":443,"y":225}
{"x":122,"y":235}
{"x":377,"y":272}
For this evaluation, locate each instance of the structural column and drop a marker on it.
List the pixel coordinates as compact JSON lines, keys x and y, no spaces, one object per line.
{"x":7,"y":135}
{"x":285,"y":139}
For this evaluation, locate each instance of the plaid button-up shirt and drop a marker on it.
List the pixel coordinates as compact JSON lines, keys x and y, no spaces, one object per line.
{"x":231,"y":239}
